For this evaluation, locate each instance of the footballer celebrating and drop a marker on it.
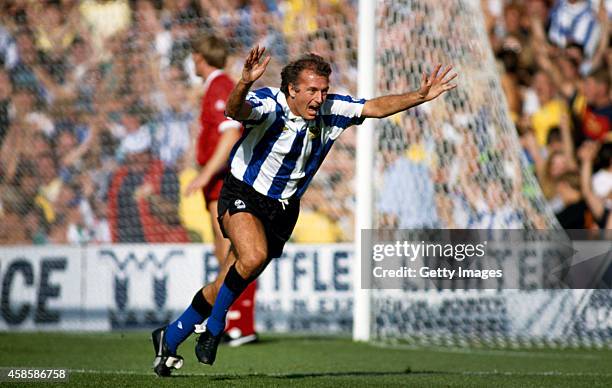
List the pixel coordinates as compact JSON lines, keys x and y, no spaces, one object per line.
{"x":287,"y":134}
{"x":217,"y":137}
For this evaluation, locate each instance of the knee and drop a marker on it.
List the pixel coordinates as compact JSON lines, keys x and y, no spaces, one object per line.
{"x":251,"y":264}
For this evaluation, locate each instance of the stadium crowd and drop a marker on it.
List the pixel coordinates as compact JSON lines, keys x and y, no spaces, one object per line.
{"x":454,"y":164}
{"x":556,"y":65}
{"x":99,"y":105}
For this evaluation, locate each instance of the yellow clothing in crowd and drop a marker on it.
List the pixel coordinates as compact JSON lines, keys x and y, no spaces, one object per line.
{"x":192,"y":210}
{"x":314,"y":227}
{"x":105,"y":18}
{"x":546,"y":118}
{"x":300,"y":14}
{"x":44,"y":41}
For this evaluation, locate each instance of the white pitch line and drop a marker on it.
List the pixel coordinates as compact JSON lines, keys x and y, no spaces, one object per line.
{"x":322,"y":374}
{"x":490,"y":352}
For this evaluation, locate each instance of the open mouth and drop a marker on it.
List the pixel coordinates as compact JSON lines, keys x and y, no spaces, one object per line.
{"x":312,"y":109}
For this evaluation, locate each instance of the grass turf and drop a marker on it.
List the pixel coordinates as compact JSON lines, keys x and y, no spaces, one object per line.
{"x":115,"y":359}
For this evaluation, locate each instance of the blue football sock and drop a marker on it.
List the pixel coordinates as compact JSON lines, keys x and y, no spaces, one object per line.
{"x":216,"y":322}
{"x":196,"y":313}
{"x":179,"y":330}
{"x":230,"y":290}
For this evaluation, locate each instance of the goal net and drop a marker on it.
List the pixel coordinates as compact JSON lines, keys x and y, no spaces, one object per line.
{"x":456,"y":163}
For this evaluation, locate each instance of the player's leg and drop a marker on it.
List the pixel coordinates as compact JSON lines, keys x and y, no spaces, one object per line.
{"x":249,"y":243}
{"x":221,"y":244}
{"x":240,"y":324}
{"x":166,"y":340}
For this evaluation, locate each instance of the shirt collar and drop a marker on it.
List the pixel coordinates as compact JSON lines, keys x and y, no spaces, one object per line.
{"x":211,"y":77}
{"x":282,"y":100}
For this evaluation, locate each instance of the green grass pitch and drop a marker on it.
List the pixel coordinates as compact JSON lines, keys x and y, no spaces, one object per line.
{"x":124,"y":359}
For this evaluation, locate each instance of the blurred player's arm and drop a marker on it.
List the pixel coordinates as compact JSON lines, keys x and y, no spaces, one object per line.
{"x":237,"y":106}
{"x":218,"y":160}
{"x":431,"y":87}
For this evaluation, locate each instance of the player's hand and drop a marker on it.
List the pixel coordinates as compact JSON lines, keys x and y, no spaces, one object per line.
{"x":436,"y":84}
{"x":196,"y":184}
{"x":253,"y":69}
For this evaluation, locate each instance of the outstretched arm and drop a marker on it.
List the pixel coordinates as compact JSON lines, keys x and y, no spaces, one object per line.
{"x":237,"y":107}
{"x":431,"y":87}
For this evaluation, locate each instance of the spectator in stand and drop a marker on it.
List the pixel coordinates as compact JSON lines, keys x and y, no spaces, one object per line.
{"x":596,"y":119}
{"x":105,"y":19}
{"x":149,"y":27}
{"x":568,"y":65}
{"x":13,"y":230}
{"x":143,"y":196}
{"x":574,"y":21}
{"x":551,"y":108}
{"x":17,"y":144}
{"x":407,"y":181}
{"x":69,"y":226}
{"x":572,"y":212}
{"x":27,"y":73}
{"x":53,"y":37}
{"x":50,"y":182}
{"x":172,"y":124}
{"x":28,"y":181}
{"x":602,"y":179}
{"x":8,"y":48}
{"x":598,"y":197}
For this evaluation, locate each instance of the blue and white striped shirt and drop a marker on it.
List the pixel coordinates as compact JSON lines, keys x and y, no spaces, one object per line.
{"x":574,"y":23}
{"x":279,"y":152}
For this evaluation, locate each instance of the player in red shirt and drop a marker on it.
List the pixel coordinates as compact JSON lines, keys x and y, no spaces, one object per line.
{"x":217,"y":137}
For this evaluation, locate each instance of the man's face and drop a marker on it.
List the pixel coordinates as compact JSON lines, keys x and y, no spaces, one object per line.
{"x":198,"y":61}
{"x":543,"y":87}
{"x":308,"y":94}
{"x":593,"y":90}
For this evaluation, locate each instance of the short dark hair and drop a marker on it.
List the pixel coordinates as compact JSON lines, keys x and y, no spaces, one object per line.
{"x":601,"y":76}
{"x":572,"y":178}
{"x":311,"y":61}
{"x":554,"y":136}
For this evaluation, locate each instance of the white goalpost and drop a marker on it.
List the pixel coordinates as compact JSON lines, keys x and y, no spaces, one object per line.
{"x":364,"y":191}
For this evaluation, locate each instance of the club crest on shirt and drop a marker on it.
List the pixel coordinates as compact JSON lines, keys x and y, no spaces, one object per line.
{"x":314,"y":131}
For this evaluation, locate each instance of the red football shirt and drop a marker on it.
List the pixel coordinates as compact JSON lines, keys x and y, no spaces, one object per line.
{"x":213,"y":122}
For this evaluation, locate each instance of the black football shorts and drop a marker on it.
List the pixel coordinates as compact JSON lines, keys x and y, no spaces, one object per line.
{"x":278,"y":219}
